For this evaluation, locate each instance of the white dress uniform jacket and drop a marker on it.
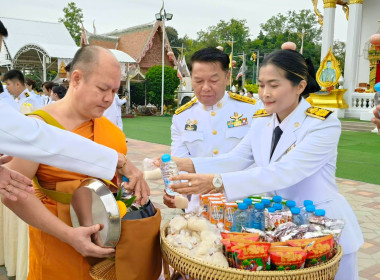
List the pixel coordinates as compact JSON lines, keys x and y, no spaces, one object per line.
{"x":33,"y":139}
{"x":202,"y":131}
{"x":27,"y":100}
{"x":6,"y":97}
{"x":113,"y":113}
{"x":302,"y":167}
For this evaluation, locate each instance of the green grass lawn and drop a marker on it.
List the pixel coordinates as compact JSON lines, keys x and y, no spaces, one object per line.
{"x":352,"y":120}
{"x":358,"y":152}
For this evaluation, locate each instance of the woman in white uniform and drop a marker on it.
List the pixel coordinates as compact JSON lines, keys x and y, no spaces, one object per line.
{"x":300,"y":165}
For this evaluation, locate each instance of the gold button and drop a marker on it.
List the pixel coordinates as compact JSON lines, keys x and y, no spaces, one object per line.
{"x":215,"y":152}
{"x":214,"y":132}
{"x":219,"y":105}
{"x":213,"y":113}
{"x":297,"y":124}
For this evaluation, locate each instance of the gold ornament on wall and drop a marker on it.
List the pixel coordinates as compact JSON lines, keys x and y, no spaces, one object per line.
{"x":329,"y":72}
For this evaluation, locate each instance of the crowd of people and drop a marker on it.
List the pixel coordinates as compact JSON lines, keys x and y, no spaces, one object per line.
{"x":235,"y":144}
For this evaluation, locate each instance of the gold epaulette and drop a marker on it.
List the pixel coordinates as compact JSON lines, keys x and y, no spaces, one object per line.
{"x":260,"y":113}
{"x":239,"y":97}
{"x":319,"y":113}
{"x":186,"y":106}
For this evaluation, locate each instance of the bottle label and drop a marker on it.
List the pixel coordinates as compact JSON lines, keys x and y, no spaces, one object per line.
{"x":168,"y":189}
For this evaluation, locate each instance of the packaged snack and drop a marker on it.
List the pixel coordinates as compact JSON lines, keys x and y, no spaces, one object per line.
{"x":274,"y":219}
{"x":216,"y":211}
{"x":204,"y":198}
{"x":262,"y":235}
{"x":287,"y":258}
{"x":253,"y":257}
{"x":229,"y":209}
{"x":319,"y":251}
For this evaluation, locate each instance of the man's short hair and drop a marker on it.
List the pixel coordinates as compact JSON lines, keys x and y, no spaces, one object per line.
{"x":68,"y":67}
{"x":49,"y":85}
{"x":3,"y":30}
{"x":14,"y":75}
{"x":86,"y":58}
{"x":211,"y":54}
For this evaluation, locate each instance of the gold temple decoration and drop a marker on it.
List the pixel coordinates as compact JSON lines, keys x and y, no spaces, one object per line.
{"x":329,"y":4}
{"x":329,"y":72}
{"x":356,"y":2}
{"x":374,"y":59}
{"x":320,"y":17}
{"x":332,"y":99}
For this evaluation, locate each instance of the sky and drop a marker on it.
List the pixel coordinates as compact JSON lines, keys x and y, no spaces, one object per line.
{"x":189,"y":17}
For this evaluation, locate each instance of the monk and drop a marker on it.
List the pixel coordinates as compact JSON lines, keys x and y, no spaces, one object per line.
{"x":57,"y":250}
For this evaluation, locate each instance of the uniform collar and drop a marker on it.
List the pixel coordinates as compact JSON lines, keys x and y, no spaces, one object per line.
{"x":22,"y":95}
{"x":218,"y":105}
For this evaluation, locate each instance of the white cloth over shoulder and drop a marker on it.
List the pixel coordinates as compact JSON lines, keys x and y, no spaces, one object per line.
{"x":32,"y":139}
{"x":6,"y":97}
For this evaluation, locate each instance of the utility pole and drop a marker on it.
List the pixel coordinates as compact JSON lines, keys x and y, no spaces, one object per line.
{"x":243,"y":76}
{"x":232,"y":55}
{"x":257,"y":67}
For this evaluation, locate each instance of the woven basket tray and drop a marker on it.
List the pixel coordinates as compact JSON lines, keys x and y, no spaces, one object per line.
{"x":196,"y":269}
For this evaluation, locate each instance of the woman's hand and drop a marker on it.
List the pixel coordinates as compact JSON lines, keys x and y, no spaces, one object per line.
{"x":196,"y":184}
{"x":183,"y":164}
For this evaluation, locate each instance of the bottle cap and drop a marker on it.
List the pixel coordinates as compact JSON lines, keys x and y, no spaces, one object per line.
{"x":259,"y":206}
{"x":310,"y":208}
{"x":271,"y":209}
{"x":125,"y":179}
{"x":277,"y":206}
{"x":247,"y":201}
{"x":295,"y":210}
{"x":291,"y":203}
{"x":265,"y":201}
{"x":277,"y":199}
{"x":166,"y":158}
{"x":307,"y":202}
{"x":320,"y":212}
{"x":242,"y":206}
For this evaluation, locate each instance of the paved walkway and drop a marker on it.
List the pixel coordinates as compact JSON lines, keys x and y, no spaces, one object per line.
{"x":364,"y":199}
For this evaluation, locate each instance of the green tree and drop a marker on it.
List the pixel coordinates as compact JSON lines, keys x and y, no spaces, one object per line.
{"x":153,"y":85}
{"x":291,"y":26}
{"x":73,"y":17}
{"x":174,"y":40}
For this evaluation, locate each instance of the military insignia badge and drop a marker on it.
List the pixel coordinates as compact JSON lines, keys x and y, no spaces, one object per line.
{"x":319,"y":113}
{"x":260,"y":113}
{"x":26,"y":94}
{"x":237,"y":120}
{"x":191,"y":125}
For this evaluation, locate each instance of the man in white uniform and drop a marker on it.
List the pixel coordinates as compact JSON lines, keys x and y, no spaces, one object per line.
{"x":214,"y":121}
{"x":6,"y":97}
{"x":113,"y":113}
{"x":15,"y":82}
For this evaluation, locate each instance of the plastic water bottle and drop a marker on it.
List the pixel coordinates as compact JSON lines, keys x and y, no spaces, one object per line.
{"x":258,"y":217}
{"x":320,"y":213}
{"x":277,"y":206}
{"x":277,"y":199}
{"x":240,"y":217}
{"x":248,"y":201}
{"x":290,"y":204}
{"x":169,"y":169}
{"x":307,"y":202}
{"x":309,"y":211}
{"x":296,"y":216}
{"x":267,"y":203}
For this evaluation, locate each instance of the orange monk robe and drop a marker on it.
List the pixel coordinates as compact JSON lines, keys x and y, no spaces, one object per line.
{"x":50,"y":258}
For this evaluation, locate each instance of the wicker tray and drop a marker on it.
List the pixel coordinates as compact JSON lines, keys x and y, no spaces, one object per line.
{"x":195,"y":269}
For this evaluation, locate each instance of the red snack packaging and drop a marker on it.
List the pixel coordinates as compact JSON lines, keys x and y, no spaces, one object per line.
{"x":287,"y":258}
{"x":253,"y":257}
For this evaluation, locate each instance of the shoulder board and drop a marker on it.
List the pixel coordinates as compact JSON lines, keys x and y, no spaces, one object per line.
{"x":317,"y":112}
{"x":186,"y":106}
{"x":26,"y":94}
{"x":260,"y":113}
{"x":239,"y":97}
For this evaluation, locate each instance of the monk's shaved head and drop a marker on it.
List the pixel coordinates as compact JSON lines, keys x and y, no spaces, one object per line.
{"x":88,"y":58}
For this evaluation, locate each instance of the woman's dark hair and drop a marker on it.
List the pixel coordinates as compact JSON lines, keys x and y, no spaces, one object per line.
{"x":296,"y":68}
{"x":31,"y":82}
{"x":210,"y":54}
{"x":60,"y":91}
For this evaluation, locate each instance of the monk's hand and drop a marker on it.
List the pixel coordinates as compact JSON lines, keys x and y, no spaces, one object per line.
{"x":137,"y":183}
{"x":12,"y":183}
{"x":80,"y":240}
{"x":193,"y":183}
{"x":169,"y":200}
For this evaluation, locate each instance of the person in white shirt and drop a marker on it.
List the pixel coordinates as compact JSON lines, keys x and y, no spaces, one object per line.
{"x":113,"y":113}
{"x":57,"y":93}
{"x":7,"y":98}
{"x":46,"y":91}
{"x":15,"y":82}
